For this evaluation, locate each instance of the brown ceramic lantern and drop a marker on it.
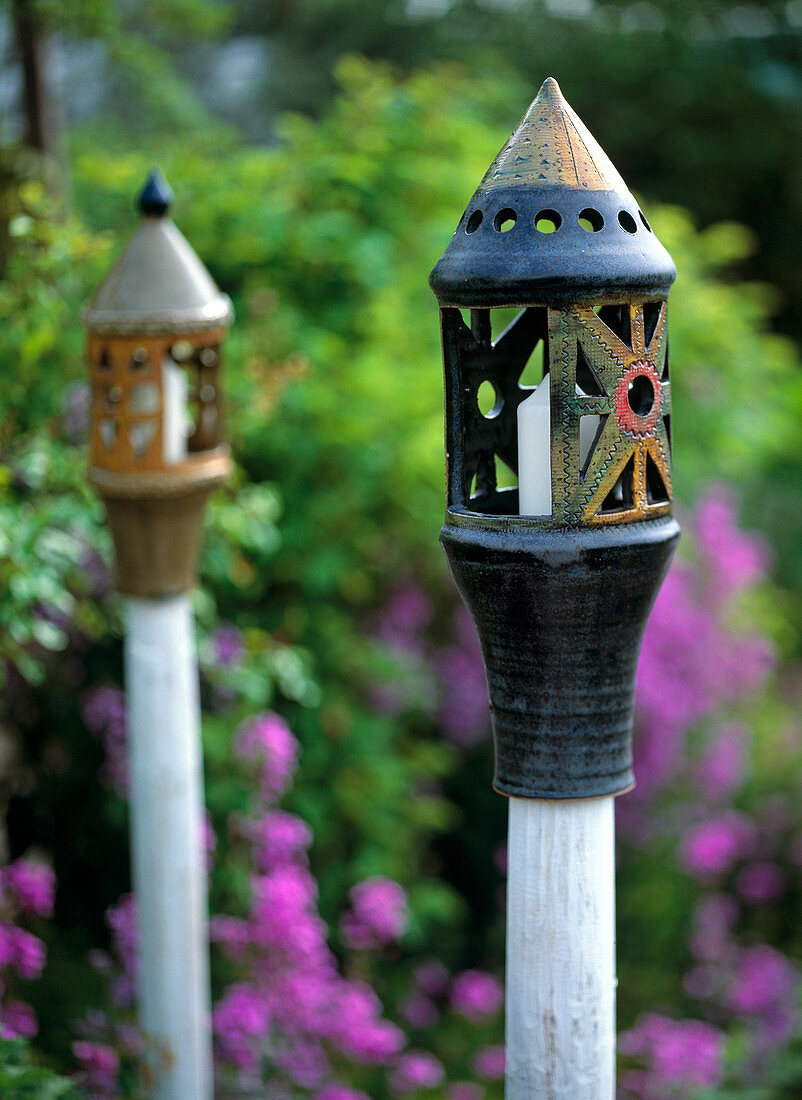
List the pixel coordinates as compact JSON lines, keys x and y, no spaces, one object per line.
{"x":157,"y":447}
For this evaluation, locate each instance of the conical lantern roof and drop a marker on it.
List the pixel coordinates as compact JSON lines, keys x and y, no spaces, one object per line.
{"x":159,"y":285}
{"x":551,"y":221}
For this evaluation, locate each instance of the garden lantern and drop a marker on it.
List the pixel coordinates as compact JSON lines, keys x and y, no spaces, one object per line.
{"x":156,"y":450}
{"x":156,"y":432}
{"x":559,"y":571}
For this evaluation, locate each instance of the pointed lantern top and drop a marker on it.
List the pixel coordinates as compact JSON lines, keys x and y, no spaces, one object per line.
{"x":552,"y":220}
{"x":158,"y":285}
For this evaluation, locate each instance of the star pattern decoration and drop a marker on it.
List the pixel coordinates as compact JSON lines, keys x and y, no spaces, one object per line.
{"x":613,"y":366}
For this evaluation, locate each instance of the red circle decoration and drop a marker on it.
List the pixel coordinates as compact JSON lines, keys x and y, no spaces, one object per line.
{"x":627,"y":419}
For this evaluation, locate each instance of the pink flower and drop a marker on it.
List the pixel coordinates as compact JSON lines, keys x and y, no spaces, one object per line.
{"x":416,"y":1070}
{"x":32,"y":885}
{"x":490,"y":1063}
{"x":122,"y":921}
{"x":279,"y":837}
{"x":378,"y":914}
{"x":714,"y":846}
{"x":17,"y":1020}
{"x":22,"y":950}
{"x":678,"y":1052}
{"x":760,"y":883}
{"x":763,"y":982}
{"x":104,"y":714}
{"x":476,"y":994}
{"x":267,"y":740}
{"x":240,"y":1023}
{"x":356,"y":1027}
{"x":100,"y":1068}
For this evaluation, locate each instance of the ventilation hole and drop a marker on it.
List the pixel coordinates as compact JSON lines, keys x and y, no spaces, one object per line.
{"x":620,"y":497}
{"x":627,"y":222}
{"x":506,"y":478}
{"x":105,"y":361}
{"x":591,"y":220}
{"x":113,"y":395}
{"x":139,"y":359}
{"x":488,"y":400}
{"x":665,"y":376}
{"x":651,"y":315}
{"x":617,"y":319}
{"x":144,"y":398}
{"x":645,"y":223}
{"x":640,"y":395}
{"x":181,"y":351}
{"x":587,"y":381}
{"x":474,"y":221}
{"x":484,"y":480}
{"x":108,"y":433}
{"x":532,"y":374}
{"x":505,"y":219}
{"x":465,"y":314}
{"x":548,"y":221}
{"x":656,"y":491}
{"x":141,"y":436}
{"x":667,"y":422}
{"x":208,"y":357}
{"x":591,"y":427}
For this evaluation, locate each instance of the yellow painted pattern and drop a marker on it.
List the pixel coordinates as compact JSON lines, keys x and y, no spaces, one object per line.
{"x":551,"y":145}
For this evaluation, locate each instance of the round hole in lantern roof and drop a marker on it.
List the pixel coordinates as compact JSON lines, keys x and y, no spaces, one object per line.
{"x":548,"y":221}
{"x":627,"y":222}
{"x":505,"y":220}
{"x":474,"y":221}
{"x":645,"y":223}
{"x":591,"y":220}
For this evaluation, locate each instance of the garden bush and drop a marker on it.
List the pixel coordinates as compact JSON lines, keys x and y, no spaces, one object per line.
{"x":356,"y":850}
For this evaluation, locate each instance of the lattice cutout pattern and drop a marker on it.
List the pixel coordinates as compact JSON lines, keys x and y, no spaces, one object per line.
{"x":126,"y":432}
{"x":610,"y":409}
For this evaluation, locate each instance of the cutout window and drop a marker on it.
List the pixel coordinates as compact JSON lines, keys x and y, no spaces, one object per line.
{"x":627,"y":222}
{"x":656,"y":491}
{"x":535,"y":370}
{"x":620,"y":498}
{"x":489,"y":401}
{"x":651,"y":315}
{"x":587,"y":382}
{"x":591,"y":427}
{"x":618,"y":321}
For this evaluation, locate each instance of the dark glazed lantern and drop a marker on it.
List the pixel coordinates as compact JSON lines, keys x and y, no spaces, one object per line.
{"x":559,"y":525}
{"x":157,"y":447}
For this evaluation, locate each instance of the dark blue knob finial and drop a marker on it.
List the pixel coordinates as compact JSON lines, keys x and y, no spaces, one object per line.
{"x":156,"y":195}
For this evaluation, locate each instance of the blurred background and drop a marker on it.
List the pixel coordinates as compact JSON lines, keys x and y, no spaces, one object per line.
{"x":322,"y":152}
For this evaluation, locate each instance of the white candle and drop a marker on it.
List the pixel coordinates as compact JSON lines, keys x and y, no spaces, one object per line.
{"x":534,"y":452}
{"x":174,"y":417}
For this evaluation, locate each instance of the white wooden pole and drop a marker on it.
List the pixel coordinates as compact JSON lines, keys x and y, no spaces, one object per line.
{"x":166,"y":833}
{"x":561,"y":949}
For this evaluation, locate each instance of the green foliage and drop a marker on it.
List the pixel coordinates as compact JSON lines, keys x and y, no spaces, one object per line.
{"x":22,"y":1079}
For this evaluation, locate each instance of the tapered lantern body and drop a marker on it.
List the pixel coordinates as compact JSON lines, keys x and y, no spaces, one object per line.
{"x":553,"y":263}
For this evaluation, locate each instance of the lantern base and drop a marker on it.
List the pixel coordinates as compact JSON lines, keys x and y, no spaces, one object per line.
{"x":560,"y":616}
{"x":156,"y":521}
